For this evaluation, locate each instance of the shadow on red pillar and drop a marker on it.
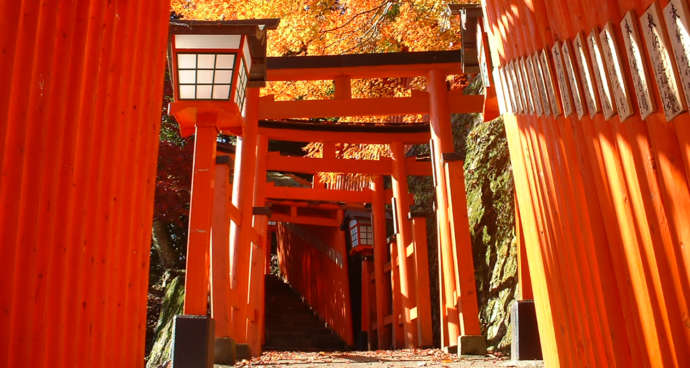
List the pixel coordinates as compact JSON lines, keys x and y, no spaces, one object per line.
{"x":243,"y":198}
{"x":200,"y":215}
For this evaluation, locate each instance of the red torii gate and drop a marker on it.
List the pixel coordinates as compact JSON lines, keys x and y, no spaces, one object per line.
{"x":459,"y":310}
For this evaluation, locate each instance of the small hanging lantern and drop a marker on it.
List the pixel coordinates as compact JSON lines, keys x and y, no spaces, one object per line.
{"x":361,"y":234}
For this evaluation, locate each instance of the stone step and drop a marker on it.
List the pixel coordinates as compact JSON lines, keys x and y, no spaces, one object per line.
{"x":291,"y":325}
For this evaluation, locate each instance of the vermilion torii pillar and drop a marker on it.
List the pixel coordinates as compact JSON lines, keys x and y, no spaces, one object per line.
{"x":200,"y":213}
{"x":454,"y":239}
{"x":403,"y":237}
{"x":221,"y":300}
{"x":220,"y":256}
{"x":76,"y":204}
{"x":421,"y":260}
{"x":255,"y":329}
{"x":378,"y":212}
{"x":243,"y":199}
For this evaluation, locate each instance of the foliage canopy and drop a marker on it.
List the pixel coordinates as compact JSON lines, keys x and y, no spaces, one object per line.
{"x":334,"y":27}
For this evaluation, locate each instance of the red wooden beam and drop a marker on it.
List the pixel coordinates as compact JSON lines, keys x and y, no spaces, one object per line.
{"x":309,"y":194}
{"x":276,"y":162}
{"x":303,"y":204}
{"x":358,"y":72}
{"x":418,"y":103}
{"x":330,"y":67}
{"x":296,"y":135}
{"x":305,"y":220}
{"x":310,"y":165}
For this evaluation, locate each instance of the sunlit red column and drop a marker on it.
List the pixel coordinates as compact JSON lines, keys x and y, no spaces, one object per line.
{"x":452,"y":215}
{"x":201,"y":205}
{"x":422,"y":292}
{"x":403,"y":237}
{"x":243,"y":198}
{"x":437,"y":89}
{"x":378,"y":211}
{"x":255,"y":329}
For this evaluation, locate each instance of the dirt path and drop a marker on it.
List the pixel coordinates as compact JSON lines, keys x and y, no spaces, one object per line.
{"x":381,"y":358}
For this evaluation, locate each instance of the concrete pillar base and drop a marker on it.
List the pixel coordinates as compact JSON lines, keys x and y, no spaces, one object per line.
{"x":192,"y":342}
{"x":525,"y":343}
{"x":471,"y":345}
{"x":224,"y":351}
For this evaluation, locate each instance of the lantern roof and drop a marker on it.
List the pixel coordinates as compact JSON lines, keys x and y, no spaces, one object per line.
{"x":254,"y":29}
{"x":357,"y":214}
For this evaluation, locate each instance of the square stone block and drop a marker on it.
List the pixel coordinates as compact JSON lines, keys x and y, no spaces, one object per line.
{"x":243,"y":351}
{"x":471,"y":345}
{"x":192,"y":342}
{"x":224,"y":351}
{"x":525,"y":344}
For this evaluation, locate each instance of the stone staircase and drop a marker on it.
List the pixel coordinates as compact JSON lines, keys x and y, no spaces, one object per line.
{"x":290,"y":323}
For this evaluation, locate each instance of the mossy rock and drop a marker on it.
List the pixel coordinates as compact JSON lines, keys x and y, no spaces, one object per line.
{"x":489,"y":186}
{"x":172,"y":305}
{"x":490,"y":209}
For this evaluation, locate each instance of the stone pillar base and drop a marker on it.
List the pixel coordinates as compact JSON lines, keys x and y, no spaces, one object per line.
{"x":471,"y":345}
{"x":224,"y":351}
{"x":192,"y":342}
{"x":243,"y":351}
{"x":525,"y":343}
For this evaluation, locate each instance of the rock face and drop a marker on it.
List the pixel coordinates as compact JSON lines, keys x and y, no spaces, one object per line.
{"x":173,"y":303}
{"x":489,"y":185}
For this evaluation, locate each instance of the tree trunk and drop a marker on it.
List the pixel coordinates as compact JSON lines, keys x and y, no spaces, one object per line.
{"x":161,"y":243}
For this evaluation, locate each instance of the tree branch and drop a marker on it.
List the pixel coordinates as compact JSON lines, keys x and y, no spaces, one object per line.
{"x":376,"y":8}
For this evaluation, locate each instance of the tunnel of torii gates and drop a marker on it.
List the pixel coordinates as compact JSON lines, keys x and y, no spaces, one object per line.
{"x":395,"y":299}
{"x":594,"y":97}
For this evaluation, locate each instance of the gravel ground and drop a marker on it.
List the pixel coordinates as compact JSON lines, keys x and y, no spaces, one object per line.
{"x":381,"y":358}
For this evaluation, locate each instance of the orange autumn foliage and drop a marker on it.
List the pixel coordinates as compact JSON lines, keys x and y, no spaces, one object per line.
{"x":332,"y":27}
